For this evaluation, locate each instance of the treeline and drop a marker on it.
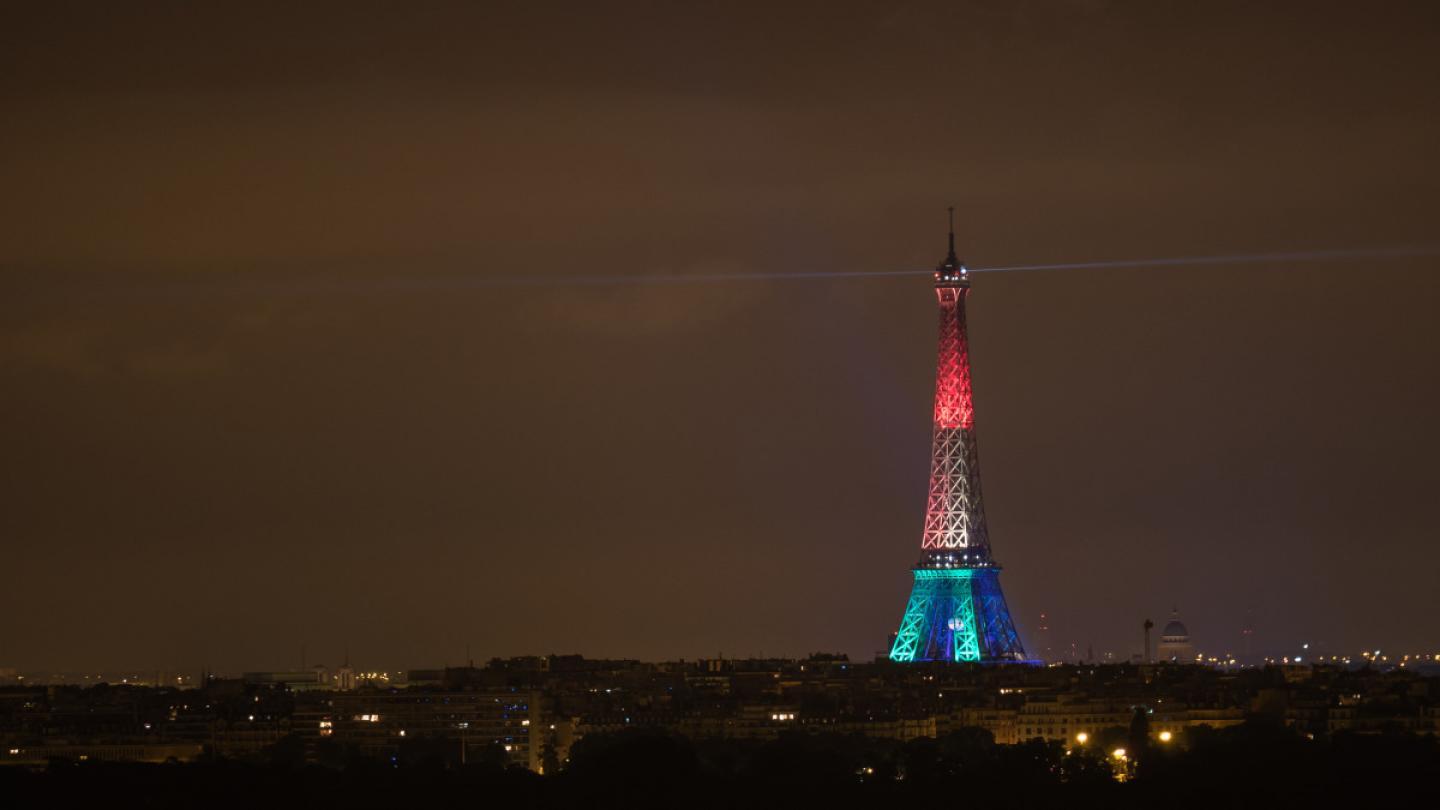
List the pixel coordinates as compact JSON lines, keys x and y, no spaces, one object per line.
{"x":1256,"y":764}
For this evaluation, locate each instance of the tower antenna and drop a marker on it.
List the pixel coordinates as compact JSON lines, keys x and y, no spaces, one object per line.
{"x":951,"y":255}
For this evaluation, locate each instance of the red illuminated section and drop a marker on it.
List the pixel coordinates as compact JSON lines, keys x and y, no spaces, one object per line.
{"x":954,"y":407}
{"x":955,"y":533}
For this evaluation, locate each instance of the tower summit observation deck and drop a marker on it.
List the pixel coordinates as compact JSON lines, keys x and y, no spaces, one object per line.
{"x":956,"y":610}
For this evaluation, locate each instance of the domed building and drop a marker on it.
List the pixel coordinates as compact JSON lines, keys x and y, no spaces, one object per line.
{"x":1175,"y":640}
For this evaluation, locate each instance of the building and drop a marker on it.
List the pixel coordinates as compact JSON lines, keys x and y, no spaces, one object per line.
{"x":529,"y":717}
{"x":1175,"y":641}
{"x":454,"y":725}
{"x":294,"y":680}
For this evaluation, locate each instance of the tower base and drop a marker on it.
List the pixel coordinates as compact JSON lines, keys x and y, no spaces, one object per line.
{"x":957,"y":614}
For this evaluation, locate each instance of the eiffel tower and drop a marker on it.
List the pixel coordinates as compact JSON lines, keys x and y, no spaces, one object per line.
{"x":956,"y":611}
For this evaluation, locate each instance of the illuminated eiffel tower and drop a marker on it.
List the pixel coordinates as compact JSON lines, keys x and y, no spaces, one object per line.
{"x":956,"y":611}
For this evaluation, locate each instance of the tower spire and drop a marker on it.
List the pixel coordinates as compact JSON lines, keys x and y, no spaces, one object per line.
{"x":950,"y":257}
{"x":951,"y":271}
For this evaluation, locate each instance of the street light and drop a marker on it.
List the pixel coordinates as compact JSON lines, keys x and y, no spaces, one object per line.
{"x":1118,"y":753}
{"x":1082,"y":737}
{"x":1165,"y":736}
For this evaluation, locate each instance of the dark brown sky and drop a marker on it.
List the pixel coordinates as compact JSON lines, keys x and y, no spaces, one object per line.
{"x":245,"y":407}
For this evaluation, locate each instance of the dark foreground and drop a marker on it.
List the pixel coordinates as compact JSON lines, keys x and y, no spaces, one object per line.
{"x":1257,"y":764}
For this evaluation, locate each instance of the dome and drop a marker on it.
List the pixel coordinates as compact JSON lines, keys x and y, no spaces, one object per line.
{"x":1174,"y":628}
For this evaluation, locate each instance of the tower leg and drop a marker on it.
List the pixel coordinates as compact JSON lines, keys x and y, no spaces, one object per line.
{"x":912,"y":625}
{"x":965,"y":642}
{"x":1001,"y":641}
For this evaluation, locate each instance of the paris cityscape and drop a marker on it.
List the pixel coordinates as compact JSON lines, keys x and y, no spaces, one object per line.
{"x":530,"y":405}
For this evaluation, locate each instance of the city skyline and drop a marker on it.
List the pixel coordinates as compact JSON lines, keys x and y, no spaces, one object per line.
{"x":264,"y":388}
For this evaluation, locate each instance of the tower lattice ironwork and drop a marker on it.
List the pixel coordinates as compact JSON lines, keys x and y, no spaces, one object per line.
{"x":956,"y":610}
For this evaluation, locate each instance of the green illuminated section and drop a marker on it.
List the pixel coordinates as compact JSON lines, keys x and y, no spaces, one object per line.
{"x":964,"y":643}
{"x":939,"y":622}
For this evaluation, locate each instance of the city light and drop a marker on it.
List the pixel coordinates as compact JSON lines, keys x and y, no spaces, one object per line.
{"x":1082,"y":738}
{"x":1165,"y":736}
{"x":1118,"y":753}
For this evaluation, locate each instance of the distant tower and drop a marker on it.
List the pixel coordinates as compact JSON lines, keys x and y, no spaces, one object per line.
{"x":956,"y":611}
{"x":344,"y":678}
{"x":1175,"y":640}
{"x":1046,"y":651}
{"x":1247,"y":636}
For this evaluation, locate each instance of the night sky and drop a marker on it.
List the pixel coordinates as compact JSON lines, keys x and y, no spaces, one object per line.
{"x":257,"y":391}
